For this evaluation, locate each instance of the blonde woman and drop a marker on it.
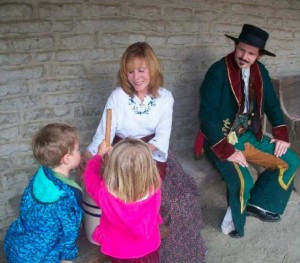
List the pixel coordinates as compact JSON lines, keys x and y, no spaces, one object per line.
{"x":143,"y":108}
{"x":129,"y":195}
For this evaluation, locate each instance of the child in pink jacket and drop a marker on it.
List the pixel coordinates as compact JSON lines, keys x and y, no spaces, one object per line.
{"x":128,"y":193}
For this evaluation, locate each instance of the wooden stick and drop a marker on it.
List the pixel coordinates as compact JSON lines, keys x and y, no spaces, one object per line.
{"x":107,"y":133}
{"x":108,"y":126}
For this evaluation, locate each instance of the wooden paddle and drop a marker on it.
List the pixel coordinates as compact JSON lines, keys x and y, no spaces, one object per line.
{"x":107,"y":133}
{"x":108,"y":126}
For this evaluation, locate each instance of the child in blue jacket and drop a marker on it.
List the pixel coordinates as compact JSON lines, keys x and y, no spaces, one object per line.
{"x":50,"y":211}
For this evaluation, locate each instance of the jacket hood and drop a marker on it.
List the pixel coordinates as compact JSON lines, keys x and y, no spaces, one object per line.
{"x":44,"y":189}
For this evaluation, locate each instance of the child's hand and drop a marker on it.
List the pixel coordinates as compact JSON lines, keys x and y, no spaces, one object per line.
{"x":103,"y":148}
{"x":85,"y":157}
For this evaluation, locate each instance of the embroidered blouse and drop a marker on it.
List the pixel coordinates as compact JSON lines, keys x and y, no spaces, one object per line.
{"x":131,"y":118}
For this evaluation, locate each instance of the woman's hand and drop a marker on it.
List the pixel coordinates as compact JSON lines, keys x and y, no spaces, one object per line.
{"x":85,"y":157}
{"x":151,"y":147}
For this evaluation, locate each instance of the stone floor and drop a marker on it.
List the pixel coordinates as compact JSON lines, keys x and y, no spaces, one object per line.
{"x":88,"y":252}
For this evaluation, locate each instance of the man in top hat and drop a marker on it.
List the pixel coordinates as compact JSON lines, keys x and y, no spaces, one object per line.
{"x":235,"y":94}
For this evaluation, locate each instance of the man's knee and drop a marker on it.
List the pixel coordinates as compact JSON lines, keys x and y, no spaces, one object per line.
{"x":293,"y":160}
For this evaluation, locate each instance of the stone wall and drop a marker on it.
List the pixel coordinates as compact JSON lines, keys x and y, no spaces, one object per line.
{"x":59,"y":61}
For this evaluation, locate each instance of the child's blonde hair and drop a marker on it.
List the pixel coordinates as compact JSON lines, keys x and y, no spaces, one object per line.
{"x":52,"y":142}
{"x":131,"y":173}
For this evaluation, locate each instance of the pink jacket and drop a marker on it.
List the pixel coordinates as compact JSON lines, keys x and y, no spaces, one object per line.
{"x":127,"y":230}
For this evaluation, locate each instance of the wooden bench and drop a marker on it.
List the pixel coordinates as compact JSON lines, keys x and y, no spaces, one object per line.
{"x":288,"y":92}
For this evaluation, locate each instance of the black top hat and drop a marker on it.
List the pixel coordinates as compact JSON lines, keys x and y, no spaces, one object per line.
{"x":253,"y":36}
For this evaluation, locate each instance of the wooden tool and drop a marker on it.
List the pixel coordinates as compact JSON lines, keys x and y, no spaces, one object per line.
{"x":108,"y":126}
{"x":107,"y":133}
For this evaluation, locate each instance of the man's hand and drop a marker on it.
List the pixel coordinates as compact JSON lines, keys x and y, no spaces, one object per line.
{"x":280,"y":147}
{"x":239,"y":158}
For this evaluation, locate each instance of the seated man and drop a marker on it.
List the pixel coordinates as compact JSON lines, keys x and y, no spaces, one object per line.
{"x":235,"y":94}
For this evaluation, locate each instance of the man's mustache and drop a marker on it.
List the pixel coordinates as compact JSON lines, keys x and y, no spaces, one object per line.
{"x":243,"y":60}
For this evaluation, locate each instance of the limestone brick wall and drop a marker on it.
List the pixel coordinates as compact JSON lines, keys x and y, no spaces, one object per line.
{"x":59,"y":61}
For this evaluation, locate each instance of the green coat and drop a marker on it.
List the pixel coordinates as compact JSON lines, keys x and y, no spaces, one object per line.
{"x":220,"y":103}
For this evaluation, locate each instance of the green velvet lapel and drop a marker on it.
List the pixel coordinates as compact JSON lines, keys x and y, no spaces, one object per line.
{"x":234,"y":77}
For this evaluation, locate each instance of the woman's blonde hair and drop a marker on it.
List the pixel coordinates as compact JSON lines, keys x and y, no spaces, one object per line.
{"x":144,"y":52}
{"x":52,"y":142}
{"x":131,"y":173}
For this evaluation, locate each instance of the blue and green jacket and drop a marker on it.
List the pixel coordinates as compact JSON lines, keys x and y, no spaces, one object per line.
{"x":48,"y":225}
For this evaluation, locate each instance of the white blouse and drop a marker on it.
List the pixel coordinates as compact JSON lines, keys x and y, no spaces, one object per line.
{"x":131,"y":118}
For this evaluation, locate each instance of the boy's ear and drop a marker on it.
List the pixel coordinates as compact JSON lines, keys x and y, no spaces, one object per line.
{"x":65,"y":159}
